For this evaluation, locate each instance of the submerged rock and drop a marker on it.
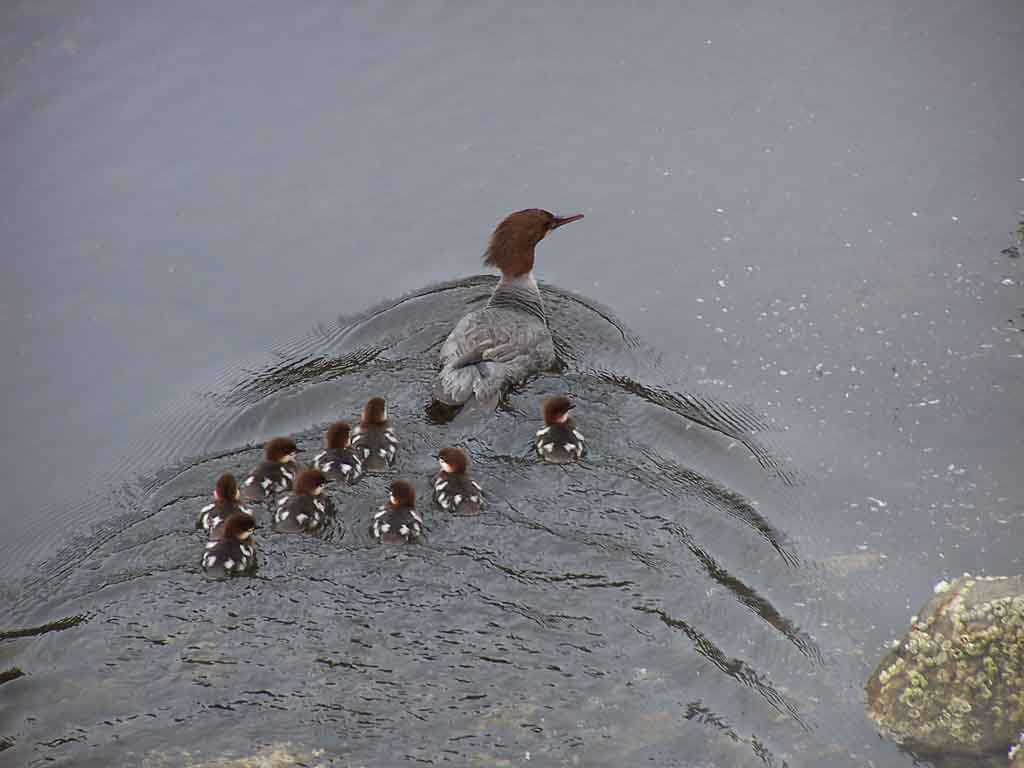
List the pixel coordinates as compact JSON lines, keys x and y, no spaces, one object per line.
{"x":954,"y":685}
{"x":280,"y":755}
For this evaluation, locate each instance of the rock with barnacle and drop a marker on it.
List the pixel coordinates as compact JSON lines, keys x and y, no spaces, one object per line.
{"x":954,"y":685}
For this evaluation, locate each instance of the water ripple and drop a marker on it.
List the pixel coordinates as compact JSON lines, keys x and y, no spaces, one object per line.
{"x":523,"y":630}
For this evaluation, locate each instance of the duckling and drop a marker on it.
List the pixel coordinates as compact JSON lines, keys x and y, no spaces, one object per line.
{"x":397,"y":521}
{"x":305,"y":509}
{"x":559,"y":441}
{"x":339,"y":461}
{"x":226,"y":497}
{"x":275,"y":473}
{"x":233,"y":553}
{"x":374,"y":439}
{"x":454,"y":490}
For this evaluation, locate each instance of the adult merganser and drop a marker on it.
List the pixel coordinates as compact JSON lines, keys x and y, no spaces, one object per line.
{"x":305,"y":509}
{"x":397,"y":521}
{"x":225,"y":502}
{"x":339,"y":461}
{"x":232,"y":554}
{"x":501,"y":344}
{"x":454,"y":490}
{"x":559,"y":441}
{"x":374,"y":439}
{"x":275,"y":473}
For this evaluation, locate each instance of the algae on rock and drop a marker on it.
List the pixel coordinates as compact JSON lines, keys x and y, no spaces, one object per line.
{"x":954,"y":685}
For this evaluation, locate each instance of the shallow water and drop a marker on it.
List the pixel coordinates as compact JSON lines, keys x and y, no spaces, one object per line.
{"x":801,"y":386}
{"x":532,"y":629}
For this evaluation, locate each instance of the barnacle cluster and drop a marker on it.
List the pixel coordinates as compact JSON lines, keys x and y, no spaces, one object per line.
{"x":1017,"y":752}
{"x":956,"y":680}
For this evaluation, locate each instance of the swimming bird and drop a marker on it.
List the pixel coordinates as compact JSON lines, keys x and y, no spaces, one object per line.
{"x":501,"y":344}
{"x":374,"y":439}
{"x":305,"y":509}
{"x":233,"y":553}
{"x":226,"y":497}
{"x":455,"y":490}
{"x":339,"y":461}
{"x":397,"y":521}
{"x":275,"y":473}
{"x":559,"y":441}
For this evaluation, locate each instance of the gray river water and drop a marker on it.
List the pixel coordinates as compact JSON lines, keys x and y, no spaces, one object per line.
{"x":224,"y":222}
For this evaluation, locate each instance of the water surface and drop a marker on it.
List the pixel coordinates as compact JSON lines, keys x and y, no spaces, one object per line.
{"x":225,"y":224}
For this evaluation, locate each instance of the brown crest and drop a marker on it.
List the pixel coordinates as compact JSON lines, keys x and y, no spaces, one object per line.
{"x":375,"y":411}
{"x":336,"y":437}
{"x":554,"y":408}
{"x":279,"y":447}
{"x":403,"y":493}
{"x":308,"y":481}
{"x":455,"y":458}
{"x":511,"y":248}
{"x":237,"y":524}
{"x":226,"y":488}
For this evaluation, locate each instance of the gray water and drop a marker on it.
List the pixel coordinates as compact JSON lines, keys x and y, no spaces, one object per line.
{"x":224,"y":223}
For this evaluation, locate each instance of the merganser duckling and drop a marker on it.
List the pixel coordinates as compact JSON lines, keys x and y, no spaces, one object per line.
{"x":501,"y":344}
{"x":454,"y":490}
{"x":275,"y":473}
{"x":225,"y":502}
{"x":232,"y":554}
{"x":339,"y":462}
{"x":559,"y":441}
{"x":397,"y":521}
{"x":305,"y":509}
{"x":374,"y":439}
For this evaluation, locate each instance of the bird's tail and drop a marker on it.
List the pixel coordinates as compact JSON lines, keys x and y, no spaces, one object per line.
{"x":477,"y":385}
